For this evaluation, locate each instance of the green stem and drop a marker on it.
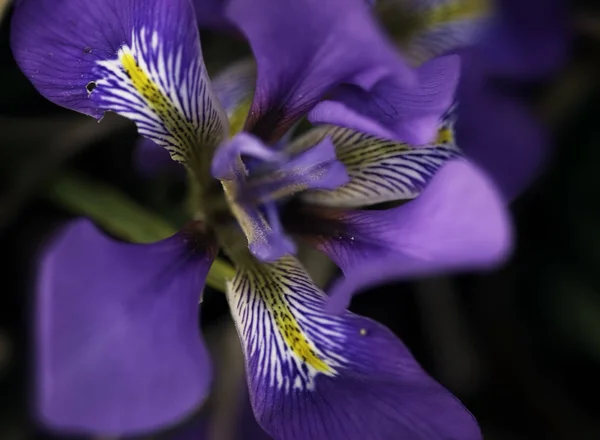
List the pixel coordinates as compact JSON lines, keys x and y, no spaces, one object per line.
{"x":122,"y":217}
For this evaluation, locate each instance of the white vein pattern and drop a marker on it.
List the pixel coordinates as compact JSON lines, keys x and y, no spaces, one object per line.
{"x":382,"y":170}
{"x":287,"y":337}
{"x":165,"y":91}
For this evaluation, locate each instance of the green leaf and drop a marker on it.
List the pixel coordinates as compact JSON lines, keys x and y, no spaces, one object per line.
{"x":121,"y":216}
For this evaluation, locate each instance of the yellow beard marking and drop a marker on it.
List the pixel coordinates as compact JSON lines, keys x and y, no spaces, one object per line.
{"x":445,"y":135}
{"x":456,"y":11}
{"x":174,"y":121}
{"x":238,"y":116}
{"x":269,"y":285}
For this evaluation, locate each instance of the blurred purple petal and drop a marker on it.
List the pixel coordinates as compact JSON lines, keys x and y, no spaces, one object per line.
{"x":313,"y":375}
{"x":498,"y":132}
{"x":458,"y":222}
{"x":304,"y":49}
{"x":119,"y":349}
{"x":529,"y":40}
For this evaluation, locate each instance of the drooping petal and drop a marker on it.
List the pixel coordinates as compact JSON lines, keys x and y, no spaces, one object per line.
{"x":305,"y":49}
{"x":390,"y":110}
{"x":139,"y":58}
{"x":458,"y":222}
{"x":118,"y":343}
{"x":234,"y":88}
{"x":498,"y":132}
{"x":380,"y":170}
{"x":313,"y":375}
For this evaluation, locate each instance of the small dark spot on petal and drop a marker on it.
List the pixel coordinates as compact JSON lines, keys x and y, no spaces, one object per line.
{"x":91,"y":86}
{"x":87,"y":50}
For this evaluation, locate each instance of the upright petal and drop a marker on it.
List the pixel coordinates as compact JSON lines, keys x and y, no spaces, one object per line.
{"x":313,"y":375}
{"x":118,"y":343}
{"x":408,"y":114}
{"x":380,"y":170}
{"x":211,"y":15}
{"x":139,"y":58}
{"x":458,"y":222}
{"x":305,"y":49}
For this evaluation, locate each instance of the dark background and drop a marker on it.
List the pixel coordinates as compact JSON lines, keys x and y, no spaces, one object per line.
{"x":520,"y":346}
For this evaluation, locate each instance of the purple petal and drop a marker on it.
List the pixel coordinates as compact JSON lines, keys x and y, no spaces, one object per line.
{"x":119,"y":349}
{"x":139,"y":58}
{"x":380,"y":170}
{"x":313,"y":375}
{"x":458,"y":222}
{"x":524,"y":45}
{"x":498,"y":132}
{"x":211,"y":15}
{"x":408,"y":114}
{"x":304,"y":49}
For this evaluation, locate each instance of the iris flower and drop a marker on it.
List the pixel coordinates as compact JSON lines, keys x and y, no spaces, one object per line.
{"x":118,"y":347}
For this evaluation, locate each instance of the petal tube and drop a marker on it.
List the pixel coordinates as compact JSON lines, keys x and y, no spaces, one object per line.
{"x":389,"y":109}
{"x":118,"y":344}
{"x":458,"y":222}
{"x":139,"y":58}
{"x":313,"y":375}
{"x":304,"y":49}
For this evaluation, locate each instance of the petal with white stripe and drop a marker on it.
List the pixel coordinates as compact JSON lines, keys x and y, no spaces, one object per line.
{"x":380,"y":170}
{"x":139,"y":58}
{"x":315,"y":375}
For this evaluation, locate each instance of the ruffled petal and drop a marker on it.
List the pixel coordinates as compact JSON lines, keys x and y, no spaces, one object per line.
{"x":498,"y":132}
{"x":139,"y":58}
{"x":388,"y":109}
{"x":118,"y":343}
{"x":304,"y":49}
{"x":380,"y":170}
{"x":313,"y":375}
{"x":458,"y":222}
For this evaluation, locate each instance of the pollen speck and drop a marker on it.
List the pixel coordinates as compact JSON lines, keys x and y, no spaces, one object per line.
{"x":363,"y":332}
